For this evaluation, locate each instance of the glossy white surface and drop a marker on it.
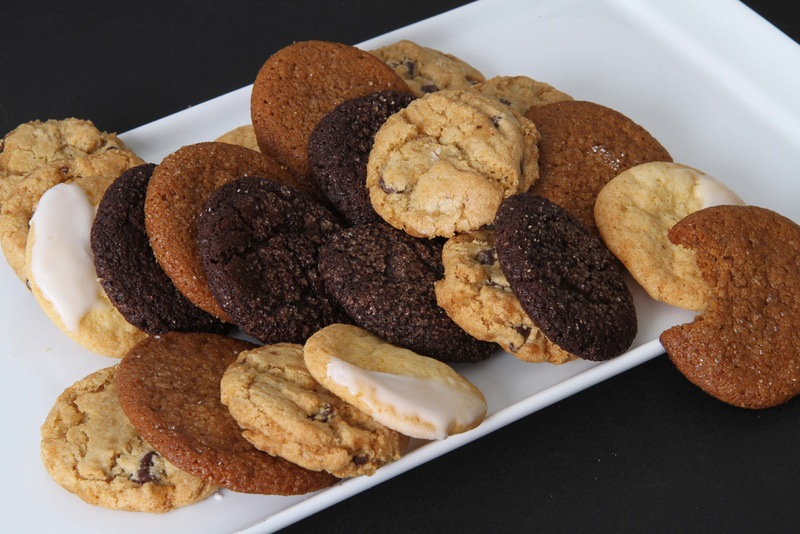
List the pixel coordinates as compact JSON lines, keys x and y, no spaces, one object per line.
{"x":708,"y":79}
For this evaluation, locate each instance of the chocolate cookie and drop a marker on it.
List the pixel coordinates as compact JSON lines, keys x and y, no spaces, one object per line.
{"x":583,"y":146}
{"x":258,"y":242}
{"x":384,"y":279}
{"x":169,"y":387}
{"x":127,"y":269}
{"x":568,"y":283}
{"x":339,"y":148}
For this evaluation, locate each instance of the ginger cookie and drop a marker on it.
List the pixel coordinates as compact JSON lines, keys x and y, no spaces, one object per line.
{"x":177,"y":192}
{"x":427,"y":70}
{"x":416,"y":395}
{"x":521,"y":93}
{"x":742,"y":349}
{"x":90,"y":448}
{"x":634,"y":213}
{"x":568,"y":283}
{"x":476,"y":295}
{"x":169,"y":387}
{"x":287,"y":413}
{"x":258,"y":242}
{"x":302,"y":82}
{"x":583,"y":146}
{"x":443,"y":164}
{"x":383,"y":278}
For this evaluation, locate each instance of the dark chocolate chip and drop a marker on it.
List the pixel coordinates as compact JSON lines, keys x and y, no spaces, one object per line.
{"x":486,"y":256}
{"x":145,"y":472}
{"x":429,"y":88}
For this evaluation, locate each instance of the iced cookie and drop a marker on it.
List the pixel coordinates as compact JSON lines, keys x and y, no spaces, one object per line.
{"x":62,"y":276}
{"x":243,"y":136}
{"x":476,"y":295}
{"x":567,"y":282}
{"x":302,"y":82}
{"x":427,"y":70}
{"x":91,"y":449}
{"x":444,"y":163}
{"x":521,"y":93}
{"x":20,"y":203}
{"x":743,"y":348}
{"x":37,"y":143}
{"x":416,"y":395}
{"x":583,"y":146}
{"x":287,"y":413}
{"x":634,"y":212}
{"x":169,"y":387}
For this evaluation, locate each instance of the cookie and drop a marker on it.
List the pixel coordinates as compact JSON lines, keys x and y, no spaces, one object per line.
{"x":567,"y":282}
{"x":287,"y":413}
{"x":90,"y":448}
{"x":634,"y":212}
{"x":339,"y":147}
{"x":61,"y":273}
{"x":178,"y":189}
{"x":127,"y":269}
{"x":444,"y":163}
{"x":36,"y":143}
{"x":169,"y":387}
{"x":20,"y":203}
{"x":418,"y":396}
{"x":383,"y":278}
{"x":258,"y":241}
{"x":427,"y":70}
{"x":302,"y":82}
{"x":521,"y":93}
{"x":583,"y":146}
{"x":476,"y":295}
{"x":243,"y":136}
{"x":742,"y":349}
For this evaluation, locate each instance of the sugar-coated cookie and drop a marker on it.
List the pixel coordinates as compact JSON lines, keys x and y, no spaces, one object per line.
{"x":243,"y":135}
{"x":416,"y":395}
{"x":521,"y":93}
{"x":567,"y":282}
{"x":743,"y":348}
{"x":444,"y":163}
{"x":634,"y":213}
{"x":91,"y":449}
{"x":299,"y":84}
{"x":583,"y":146}
{"x":427,"y":70}
{"x":476,"y":295}
{"x":169,"y":387}
{"x":287,"y":413}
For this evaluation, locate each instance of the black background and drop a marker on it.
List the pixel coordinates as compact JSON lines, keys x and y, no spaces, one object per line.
{"x":643,"y":451}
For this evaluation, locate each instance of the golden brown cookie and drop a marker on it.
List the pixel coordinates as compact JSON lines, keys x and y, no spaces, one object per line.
{"x":743,"y":348}
{"x":90,"y":448}
{"x":37,"y":143}
{"x":521,"y":93}
{"x":583,"y":146}
{"x":178,"y":189}
{"x":302,"y":82}
{"x":427,"y":70}
{"x":243,"y":136}
{"x":444,"y":163}
{"x":634,"y":212}
{"x":98,"y":169}
{"x":416,"y":395}
{"x":287,"y":413}
{"x":476,"y":295}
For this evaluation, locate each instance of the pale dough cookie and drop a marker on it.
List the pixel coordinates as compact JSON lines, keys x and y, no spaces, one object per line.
{"x":286,"y":413}
{"x":416,"y":395}
{"x":37,"y":143}
{"x":521,"y":93}
{"x":476,"y":295}
{"x":634,"y":213}
{"x":444,"y":163}
{"x":244,"y":136}
{"x":101,"y":169}
{"x":91,"y":448}
{"x":427,"y":70}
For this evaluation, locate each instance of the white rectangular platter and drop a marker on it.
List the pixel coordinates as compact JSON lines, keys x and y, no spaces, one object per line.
{"x":711,"y":80}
